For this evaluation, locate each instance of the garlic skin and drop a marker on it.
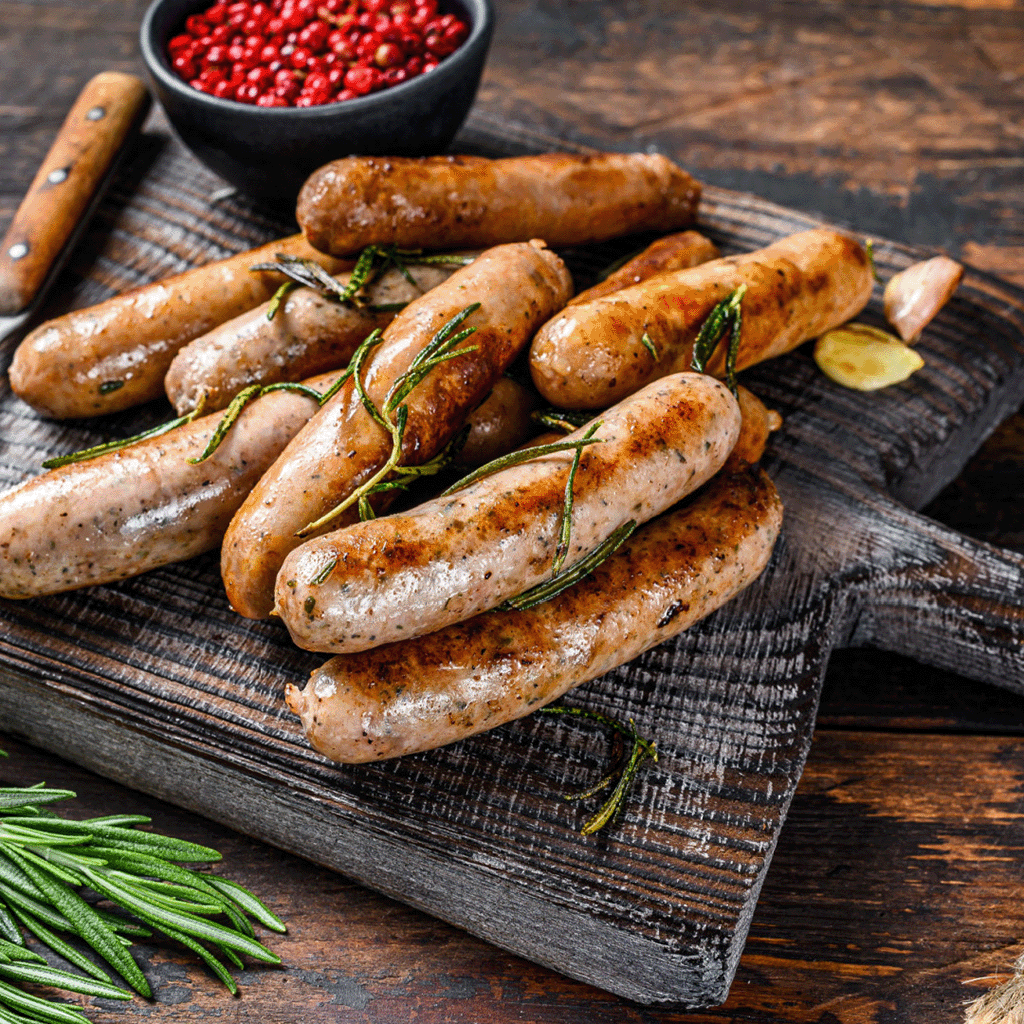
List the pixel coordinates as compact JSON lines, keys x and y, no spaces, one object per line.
{"x":913,"y":296}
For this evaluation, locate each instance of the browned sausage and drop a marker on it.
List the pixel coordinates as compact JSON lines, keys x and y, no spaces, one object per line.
{"x":144,"y":506}
{"x":673,"y":252}
{"x":114,"y":355}
{"x":592,"y":355}
{"x":452,"y":202}
{"x":501,"y":423}
{"x":519,"y":286}
{"x":458,"y":555}
{"x":476,"y":675}
{"x":308,"y":334}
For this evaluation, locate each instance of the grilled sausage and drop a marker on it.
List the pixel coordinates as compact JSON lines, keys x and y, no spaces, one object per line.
{"x":673,"y":252}
{"x":452,"y":202}
{"x":454,"y":557}
{"x":519,"y":287}
{"x":500,"y":423}
{"x":114,"y":355}
{"x":144,"y":506}
{"x":592,"y":355}
{"x":308,"y":334}
{"x":479,"y":674}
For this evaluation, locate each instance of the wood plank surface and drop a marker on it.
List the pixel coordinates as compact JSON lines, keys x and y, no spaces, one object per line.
{"x":746,"y":92}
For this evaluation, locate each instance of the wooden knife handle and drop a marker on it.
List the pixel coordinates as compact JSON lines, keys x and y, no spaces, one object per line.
{"x":104,"y":114}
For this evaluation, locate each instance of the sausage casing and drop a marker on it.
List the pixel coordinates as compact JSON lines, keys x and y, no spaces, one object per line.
{"x":479,"y":674}
{"x":452,"y":202}
{"x":309,"y":334}
{"x":114,"y":355}
{"x":519,"y":286}
{"x":453,"y":557}
{"x":673,"y":252}
{"x":593,"y":354}
{"x":144,"y":506}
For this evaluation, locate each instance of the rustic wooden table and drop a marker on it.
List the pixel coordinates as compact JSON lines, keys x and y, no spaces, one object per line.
{"x":895,"y":891}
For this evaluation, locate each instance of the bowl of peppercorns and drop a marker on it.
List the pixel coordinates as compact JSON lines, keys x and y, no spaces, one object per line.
{"x":265,"y":91}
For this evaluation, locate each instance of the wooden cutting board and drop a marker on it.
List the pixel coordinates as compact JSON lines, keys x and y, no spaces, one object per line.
{"x":154,"y":682}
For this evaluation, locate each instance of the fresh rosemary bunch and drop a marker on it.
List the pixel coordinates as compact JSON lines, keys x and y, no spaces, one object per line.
{"x":46,"y":862}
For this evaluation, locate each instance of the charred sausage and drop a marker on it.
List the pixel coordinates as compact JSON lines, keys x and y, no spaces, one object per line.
{"x":452,"y":202}
{"x":132,"y":510}
{"x":592,"y":355}
{"x":453,"y":557}
{"x":479,"y":674}
{"x":309,"y":334}
{"x":114,"y":355}
{"x":519,"y":286}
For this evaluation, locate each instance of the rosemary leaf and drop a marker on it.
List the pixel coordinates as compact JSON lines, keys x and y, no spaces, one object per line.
{"x":8,"y":929}
{"x":571,"y":576}
{"x":13,"y":799}
{"x":725,"y":317}
{"x":40,"y":975}
{"x":248,"y":902}
{"x":60,"y":947}
{"x":645,"y":340}
{"x":565,"y":530}
{"x":279,"y":296}
{"x":641,"y":749}
{"x":38,"y":1009}
{"x":565,"y":420}
{"x":88,"y":925}
{"x":113,"y":446}
{"x":515,"y":459}
{"x":162,"y":918}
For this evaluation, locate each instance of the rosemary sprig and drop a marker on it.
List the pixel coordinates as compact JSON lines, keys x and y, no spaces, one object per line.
{"x":565,"y":420}
{"x":645,"y":340}
{"x":565,"y":530}
{"x":372,"y":261}
{"x":246,"y":397}
{"x":515,"y":459}
{"x":640,"y":750}
{"x":570,"y":577}
{"x":45,"y":863}
{"x":394,"y":413}
{"x":726,"y":317}
{"x":113,"y":446}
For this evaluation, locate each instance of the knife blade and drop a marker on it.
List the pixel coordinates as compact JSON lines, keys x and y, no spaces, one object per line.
{"x":65,"y":191}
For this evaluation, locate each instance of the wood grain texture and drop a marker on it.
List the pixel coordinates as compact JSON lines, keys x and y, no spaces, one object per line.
{"x":964,"y":200}
{"x":658,"y":910}
{"x":893,"y":897}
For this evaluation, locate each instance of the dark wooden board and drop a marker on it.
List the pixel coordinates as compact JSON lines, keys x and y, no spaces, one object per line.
{"x":893,"y":896}
{"x":155,"y":683}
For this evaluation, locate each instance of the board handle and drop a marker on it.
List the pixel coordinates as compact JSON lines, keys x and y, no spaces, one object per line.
{"x":108,"y":108}
{"x":945,"y":600}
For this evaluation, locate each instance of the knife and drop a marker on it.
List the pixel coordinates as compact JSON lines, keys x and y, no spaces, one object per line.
{"x":65,"y":191}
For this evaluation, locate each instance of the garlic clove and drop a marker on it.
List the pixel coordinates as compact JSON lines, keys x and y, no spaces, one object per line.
{"x":913,"y":296}
{"x":864,"y":358}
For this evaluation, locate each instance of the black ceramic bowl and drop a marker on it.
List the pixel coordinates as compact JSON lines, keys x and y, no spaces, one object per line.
{"x":269,"y":152}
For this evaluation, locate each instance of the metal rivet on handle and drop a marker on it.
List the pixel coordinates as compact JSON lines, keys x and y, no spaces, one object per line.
{"x":57,"y":176}
{"x":96,"y":114}
{"x":18,"y":251}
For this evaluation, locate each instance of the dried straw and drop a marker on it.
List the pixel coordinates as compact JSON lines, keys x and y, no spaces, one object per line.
{"x":1003,"y":1004}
